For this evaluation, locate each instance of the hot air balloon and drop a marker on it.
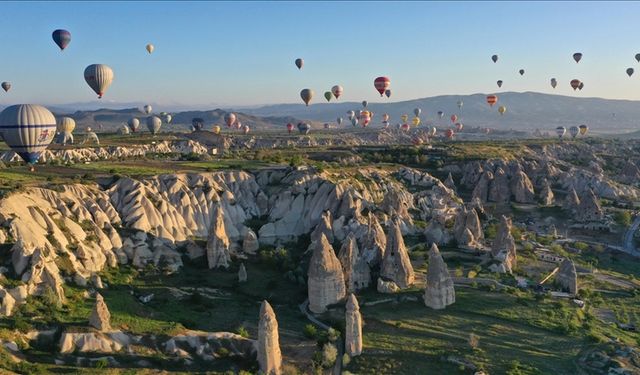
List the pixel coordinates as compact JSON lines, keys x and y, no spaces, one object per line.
{"x":289,"y":127}
{"x":337,"y":91}
{"x":492,"y":99}
{"x":123,"y":130}
{"x":440,"y":114}
{"x":150,"y":48}
{"x":230,"y":119}
{"x":306,"y":95}
{"x":147,"y":109}
{"x":574,"y":84}
{"x":351,"y":114}
{"x":417,"y":112}
{"x":387,"y":93}
{"x":364,"y":104}
{"x":560,"y":130}
{"x":404,"y":118}
{"x":62,"y":38}
{"x":638,"y":57}
{"x":554,"y":83}
{"x":460,"y":104}
{"x":197,"y":123}
{"x":304,"y":128}
{"x":405,"y":127}
{"x":521,"y":71}
{"x":238,"y":125}
{"x":99,"y":78}
{"x":245,"y":129}
{"x":133,"y":123}
{"x":432,"y":131}
{"x":459,"y":126}
{"x":339,"y":121}
{"x":581,"y":86}
{"x":326,"y":125}
{"x":385,"y":117}
{"x":168,"y":118}
{"x":449,"y":133}
{"x":583,"y":129}
{"x":216,"y":129}
{"x":65,"y":127}
{"x":487,"y":130}
{"x":358,"y":113}
{"x":153,"y":124}
{"x":27,"y":129}
{"x":6,"y":86}
{"x":577,"y":56}
{"x":629,"y":72}
{"x":494,"y":58}
{"x":354,"y":121}
{"x":328,"y":95}
{"x":417,"y":141}
{"x":502,"y":109}
{"x":574,"y":131}
{"x":499,"y":83}
{"x":454,"y":118}
{"x":381,"y":84}
{"x":415,"y":121}
{"x":299,"y":63}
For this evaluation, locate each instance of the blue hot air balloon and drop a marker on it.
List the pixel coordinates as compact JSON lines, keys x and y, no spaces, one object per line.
{"x":62,"y":38}
{"x":28,"y":129}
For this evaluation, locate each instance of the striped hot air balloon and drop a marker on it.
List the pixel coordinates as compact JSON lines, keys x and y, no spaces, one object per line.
{"x":99,"y":78}
{"x":382,"y":84}
{"x":134,"y":124}
{"x":492,"y":99}
{"x":62,"y":38}
{"x":28,"y":129}
{"x":574,"y":131}
{"x":153,"y":124}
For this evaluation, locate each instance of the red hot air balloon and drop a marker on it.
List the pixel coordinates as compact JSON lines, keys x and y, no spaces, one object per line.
{"x":492,"y":99}
{"x":575,"y":83}
{"x":290,"y":127}
{"x":449,"y":133}
{"x":382,"y":84}
{"x":454,"y":118}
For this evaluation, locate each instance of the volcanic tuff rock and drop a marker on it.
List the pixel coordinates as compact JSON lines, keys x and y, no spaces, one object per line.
{"x":396,"y":265}
{"x":242,"y":274}
{"x":467,"y":228}
{"x":388,"y":287}
{"x":589,"y":208}
{"x":547,"y":198}
{"x":356,"y":270}
{"x":353,"y":327}
{"x":481,"y":189}
{"x":567,"y":276}
{"x":522,"y":188}
{"x":374,"y":242}
{"x":326,"y":280}
{"x":269,"y":355}
{"x":504,"y":247}
{"x":250,"y":242}
{"x":499,"y":190}
{"x":571,"y":201}
{"x":629,"y":173}
{"x":218,"y":243}
{"x":100,"y":318}
{"x":450,"y":183}
{"x":323,"y":227}
{"x":439,"y":291}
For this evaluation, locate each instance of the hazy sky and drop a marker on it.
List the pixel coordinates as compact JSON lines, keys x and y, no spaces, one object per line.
{"x":242,"y":53}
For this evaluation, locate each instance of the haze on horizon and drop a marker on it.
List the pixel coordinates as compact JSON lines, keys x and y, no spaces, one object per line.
{"x":242,"y":53}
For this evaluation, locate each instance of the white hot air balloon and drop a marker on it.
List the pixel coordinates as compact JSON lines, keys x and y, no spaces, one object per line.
{"x":65,"y":127}
{"x":28,"y":129}
{"x":147,"y":109}
{"x":154,"y":123}
{"x":134,"y":124}
{"x":168,"y":119}
{"x":150,"y":48}
{"x":99,"y":78}
{"x":123,"y":130}
{"x":560,"y":130}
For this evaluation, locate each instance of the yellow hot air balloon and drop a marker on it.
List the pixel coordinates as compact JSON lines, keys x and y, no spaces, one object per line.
{"x":216,"y":129}
{"x":150,"y":48}
{"x":404,"y":118}
{"x":502,"y":109}
{"x":415,"y":121}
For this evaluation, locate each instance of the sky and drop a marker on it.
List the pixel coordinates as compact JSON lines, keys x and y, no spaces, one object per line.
{"x":233,"y":54}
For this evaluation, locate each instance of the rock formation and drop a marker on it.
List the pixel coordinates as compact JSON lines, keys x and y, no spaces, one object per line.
{"x":522,"y":188}
{"x":323,"y":227}
{"x":504,"y":247}
{"x":218,"y":243}
{"x":326,"y":280}
{"x":386,"y":287}
{"x":250,"y":243}
{"x":571,"y":201}
{"x":547,"y":198}
{"x":567,"y":276}
{"x":481,"y":189}
{"x":589,"y":209}
{"x":630,"y":173}
{"x":439,"y":291}
{"x":353,"y":327}
{"x":467,"y":229}
{"x":100,"y":318}
{"x":396,"y":265}
{"x":356,"y":270}
{"x":375,"y":241}
{"x":499,"y":190}
{"x":269,"y":355}
{"x":450,"y":183}
{"x":242,"y":274}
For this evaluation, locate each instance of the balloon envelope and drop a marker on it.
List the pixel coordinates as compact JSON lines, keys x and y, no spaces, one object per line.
{"x":560,"y":130}
{"x":229,"y":119}
{"x":574,"y":131}
{"x":638,"y":57}
{"x":99,"y":78}
{"x":150,"y":48}
{"x":583,"y":129}
{"x":66,"y":124}
{"x":6,"y":86}
{"x":382,"y":84}
{"x":337,"y":91}
{"x":328,"y":95}
{"x":28,"y":129}
{"x":574,"y":84}
{"x":494,"y":58}
{"x":197,"y":123}
{"x":133,"y":123}
{"x":577,"y":56}
{"x":417,"y":112}
{"x":153,"y":124}
{"x":459,"y":126}
{"x":492,"y":99}
{"x":440,"y":114}
{"x":299,"y":62}
{"x":502,"y":109}
{"x":147,"y":109}
{"x":554,"y":83}
{"x":306,"y":95}
{"x":629,"y":72}
{"x":62,"y":38}
{"x":499,"y":83}
{"x":415,"y":121}
{"x":521,"y":71}
{"x":387,"y":93}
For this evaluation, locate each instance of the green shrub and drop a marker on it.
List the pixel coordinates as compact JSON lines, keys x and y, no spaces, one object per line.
{"x":310,"y":331}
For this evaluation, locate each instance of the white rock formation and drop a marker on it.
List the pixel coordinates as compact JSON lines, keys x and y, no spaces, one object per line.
{"x":356,"y":270}
{"x":250,"y":243}
{"x":439,"y":290}
{"x":269,"y":355}
{"x":353,"y":327}
{"x":218,"y":243}
{"x":100,"y":318}
{"x":396,"y":265}
{"x":504,"y":247}
{"x":326,"y":280}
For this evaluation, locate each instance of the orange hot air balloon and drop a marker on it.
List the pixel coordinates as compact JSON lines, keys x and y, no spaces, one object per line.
{"x":492,"y":99}
{"x":382,"y":84}
{"x":575,"y":83}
